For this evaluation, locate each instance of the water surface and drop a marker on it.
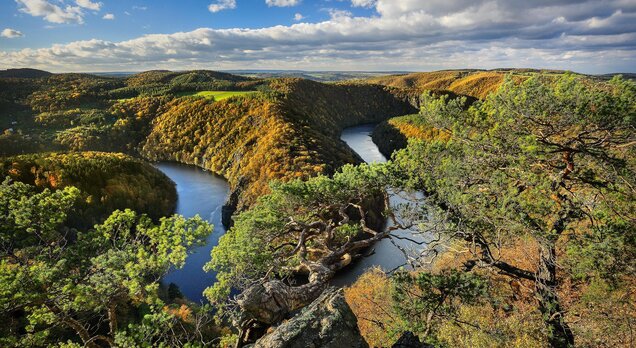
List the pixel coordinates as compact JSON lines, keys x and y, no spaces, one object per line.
{"x":359,"y":140}
{"x":203,"y":193}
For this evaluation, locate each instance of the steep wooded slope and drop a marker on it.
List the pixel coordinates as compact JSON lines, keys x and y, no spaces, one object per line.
{"x":291,"y":132}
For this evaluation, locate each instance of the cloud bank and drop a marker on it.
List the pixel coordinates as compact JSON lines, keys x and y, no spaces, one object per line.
{"x":53,"y":13}
{"x":586,"y":35}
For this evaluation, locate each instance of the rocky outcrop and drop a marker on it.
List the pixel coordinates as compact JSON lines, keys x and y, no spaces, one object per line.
{"x":326,"y":322}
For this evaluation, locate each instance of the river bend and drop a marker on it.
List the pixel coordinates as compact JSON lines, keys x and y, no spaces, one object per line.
{"x":203,"y":193}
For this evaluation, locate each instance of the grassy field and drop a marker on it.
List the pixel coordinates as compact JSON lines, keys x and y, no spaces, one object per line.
{"x":216,"y":95}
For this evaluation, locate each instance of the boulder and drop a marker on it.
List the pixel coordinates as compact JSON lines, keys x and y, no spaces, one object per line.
{"x":327,"y":322}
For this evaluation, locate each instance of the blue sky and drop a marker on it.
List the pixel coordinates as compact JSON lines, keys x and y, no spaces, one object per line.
{"x":136,"y":18}
{"x":111,"y":35}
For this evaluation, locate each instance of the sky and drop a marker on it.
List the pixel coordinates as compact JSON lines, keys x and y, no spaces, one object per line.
{"x":587,"y":36}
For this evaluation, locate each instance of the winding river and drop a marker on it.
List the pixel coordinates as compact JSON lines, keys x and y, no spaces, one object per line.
{"x":204,"y":193}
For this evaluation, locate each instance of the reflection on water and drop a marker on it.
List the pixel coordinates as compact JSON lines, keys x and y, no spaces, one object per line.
{"x":359,"y":139}
{"x":202,"y":193}
{"x":388,"y":254}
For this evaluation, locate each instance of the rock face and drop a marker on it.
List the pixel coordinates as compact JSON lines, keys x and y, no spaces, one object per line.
{"x":327,"y":322}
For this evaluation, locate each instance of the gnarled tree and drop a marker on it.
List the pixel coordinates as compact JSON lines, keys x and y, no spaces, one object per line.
{"x":282,"y":253}
{"x":550,"y":160}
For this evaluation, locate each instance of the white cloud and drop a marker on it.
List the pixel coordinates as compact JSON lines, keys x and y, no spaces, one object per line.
{"x":140,"y":8}
{"x":298,"y":17}
{"x":11,"y":33}
{"x":403,"y":35}
{"x":88,"y":4}
{"x":109,"y":16}
{"x":282,"y":3}
{"x":51,"y":12}
{"x":335,"y":13}
{"x":221,"y":5}
{"x":363,"y":3}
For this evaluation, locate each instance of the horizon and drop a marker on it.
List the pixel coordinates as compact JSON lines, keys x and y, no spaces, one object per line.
{"x":584,"y":36}
{"x":283,"y":71}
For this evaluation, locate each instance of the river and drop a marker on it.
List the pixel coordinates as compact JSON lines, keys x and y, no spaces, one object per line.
{"x":386,"y":254}
{"x":201,"y":192}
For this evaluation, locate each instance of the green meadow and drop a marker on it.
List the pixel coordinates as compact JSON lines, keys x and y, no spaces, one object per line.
{"x":216,"y":95}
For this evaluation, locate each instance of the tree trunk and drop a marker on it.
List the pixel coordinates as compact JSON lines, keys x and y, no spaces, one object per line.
{"x":112,"y":318}
{"x":559,"y":333}
{"x":271,"y":301}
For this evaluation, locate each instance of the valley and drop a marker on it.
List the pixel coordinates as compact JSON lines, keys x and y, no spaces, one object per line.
{"x":318,"y":174}
{"x":386,"y":187}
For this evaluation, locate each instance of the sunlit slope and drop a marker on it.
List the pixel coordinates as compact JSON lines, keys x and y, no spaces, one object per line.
{"x":472,"y":83}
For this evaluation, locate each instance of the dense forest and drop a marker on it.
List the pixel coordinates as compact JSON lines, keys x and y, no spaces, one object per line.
{"x":107,"y":181}
{"x":287,"y":129}
{"x":528,"y":207}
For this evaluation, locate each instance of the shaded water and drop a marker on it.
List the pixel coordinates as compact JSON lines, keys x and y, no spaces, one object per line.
{"x":359,"y":140}
{"x":203,"y":193}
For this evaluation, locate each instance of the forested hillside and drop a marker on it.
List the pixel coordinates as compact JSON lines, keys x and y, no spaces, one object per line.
{"x":290,"y":132}
{"x":107,"y":181}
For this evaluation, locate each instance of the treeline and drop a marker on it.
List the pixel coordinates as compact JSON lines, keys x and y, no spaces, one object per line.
{"x":107,"y":182}
{"x":154,"y":83}
{"x":470,"y":83}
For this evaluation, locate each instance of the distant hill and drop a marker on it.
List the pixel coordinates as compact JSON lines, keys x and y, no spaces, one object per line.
{"x":629,"y":76}
{"x":469,"y":82}
{"x":195,"y":76}
{"x":24,"y":73}
{"x":475,"y":83}
{"x":320,"y":76}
